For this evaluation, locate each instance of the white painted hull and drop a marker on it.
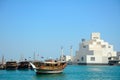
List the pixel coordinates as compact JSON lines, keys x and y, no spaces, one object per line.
{"x":40,"y":71}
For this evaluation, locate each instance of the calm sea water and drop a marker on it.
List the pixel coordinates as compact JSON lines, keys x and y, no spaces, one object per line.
{"x":71,"y":72}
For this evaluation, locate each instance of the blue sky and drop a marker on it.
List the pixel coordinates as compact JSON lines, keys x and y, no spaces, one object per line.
{"x":43,"y":26}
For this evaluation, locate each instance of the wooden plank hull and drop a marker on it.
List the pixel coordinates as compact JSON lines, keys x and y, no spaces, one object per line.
{"x":11,"y":65}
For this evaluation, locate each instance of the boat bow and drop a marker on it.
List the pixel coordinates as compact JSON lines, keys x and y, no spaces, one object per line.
{"x":33,"y":66}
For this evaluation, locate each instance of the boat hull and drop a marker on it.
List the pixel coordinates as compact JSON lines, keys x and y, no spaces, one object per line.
{"x":48,"y":71}
{"x":48,"y":67}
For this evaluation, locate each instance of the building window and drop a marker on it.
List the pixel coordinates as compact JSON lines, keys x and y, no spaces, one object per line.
{"x":94,"y":40}
{"x":84,"y":46}
{"x":95,"y":37}
{"x":109,"y":46}
{"x":98,"y":42}
{"x":92,"y":58}
{"x":103,"y":46}
{"x":82,"y":58}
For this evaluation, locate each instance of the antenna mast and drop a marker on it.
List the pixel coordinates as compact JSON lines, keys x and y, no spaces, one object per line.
{"x":71,"y":52}
{"x":2,"y":60}
{"x":62,"y":53}
{"x":34,"y":56}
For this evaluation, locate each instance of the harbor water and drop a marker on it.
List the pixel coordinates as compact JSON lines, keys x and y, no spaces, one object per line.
{"x":71,"y":72}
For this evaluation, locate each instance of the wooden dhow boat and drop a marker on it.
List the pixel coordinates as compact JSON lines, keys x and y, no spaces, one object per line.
{"x":23,"y":65}
{"x":11,"y":65}
{"x":48,"y":66}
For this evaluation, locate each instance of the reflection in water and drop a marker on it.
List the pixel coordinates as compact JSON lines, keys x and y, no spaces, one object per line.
{"x":95,"y":69}
{"x":59,"y":76}
{"x":23,"y":70}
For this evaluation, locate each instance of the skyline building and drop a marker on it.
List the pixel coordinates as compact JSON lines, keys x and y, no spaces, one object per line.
{"x":94,"y":51}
